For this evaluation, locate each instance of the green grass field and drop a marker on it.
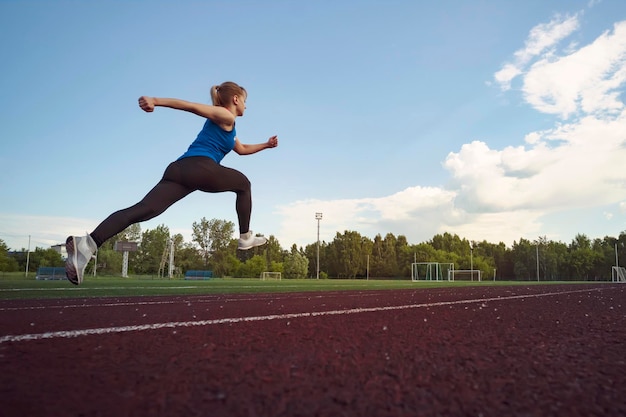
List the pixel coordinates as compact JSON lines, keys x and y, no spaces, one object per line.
{"x":16,"y":287}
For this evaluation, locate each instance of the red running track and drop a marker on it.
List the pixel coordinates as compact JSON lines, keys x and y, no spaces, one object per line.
{"x":477,"y":351}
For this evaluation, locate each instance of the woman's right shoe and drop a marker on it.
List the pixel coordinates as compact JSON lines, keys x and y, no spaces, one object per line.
{"x":249,"y":241}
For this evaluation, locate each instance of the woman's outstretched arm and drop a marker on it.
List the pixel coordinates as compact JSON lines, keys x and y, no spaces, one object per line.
{"x":217,"y":114}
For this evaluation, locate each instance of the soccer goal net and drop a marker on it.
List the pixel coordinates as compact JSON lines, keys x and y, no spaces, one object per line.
{"x":464,"y":275}
{"x":430,"y":271}
{"x":618,"y":274}
{"x":270,"y":276}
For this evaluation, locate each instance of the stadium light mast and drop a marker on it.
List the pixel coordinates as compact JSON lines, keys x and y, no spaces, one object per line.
{"x":27,"y":259}
{"x":318,"y":217}
{"x":472,"y":260}
{"x":537,"y":260}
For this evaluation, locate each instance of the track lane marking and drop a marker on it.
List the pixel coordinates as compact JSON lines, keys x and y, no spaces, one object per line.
{"x":231,"y":320}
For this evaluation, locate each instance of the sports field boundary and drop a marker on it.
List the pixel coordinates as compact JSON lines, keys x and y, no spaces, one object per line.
{"x":117,"y":287}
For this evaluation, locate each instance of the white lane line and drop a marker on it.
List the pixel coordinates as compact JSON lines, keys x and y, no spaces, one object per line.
{"x":172,"y":325}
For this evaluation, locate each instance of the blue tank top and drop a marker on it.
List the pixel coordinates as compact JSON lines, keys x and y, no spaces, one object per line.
{"x":212,"y":141}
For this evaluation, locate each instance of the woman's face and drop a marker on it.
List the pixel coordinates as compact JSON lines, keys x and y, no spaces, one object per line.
{"x":240,"y":101}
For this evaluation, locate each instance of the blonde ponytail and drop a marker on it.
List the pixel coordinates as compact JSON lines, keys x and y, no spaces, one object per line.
{"x":215,"y":96}
{"x":223,"y":94}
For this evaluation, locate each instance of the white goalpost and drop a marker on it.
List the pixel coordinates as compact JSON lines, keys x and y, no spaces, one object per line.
{"x":430,"y":271}
{"x":618,"y":274}
{"x":464,"y":275}
{"x":270,"y":276}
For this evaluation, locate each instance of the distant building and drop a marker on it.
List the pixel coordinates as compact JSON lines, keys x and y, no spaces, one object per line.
{"x":60,"y":248}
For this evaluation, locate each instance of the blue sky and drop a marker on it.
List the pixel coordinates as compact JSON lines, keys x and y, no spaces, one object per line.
{"x":490,"y":119}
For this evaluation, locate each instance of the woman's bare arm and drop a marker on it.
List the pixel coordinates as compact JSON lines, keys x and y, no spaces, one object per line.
{"x":247,"y":149}
{"x":217,"y":114}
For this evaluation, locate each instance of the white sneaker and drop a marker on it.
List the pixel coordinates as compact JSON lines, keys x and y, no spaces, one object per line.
{"x":249,"y":241}
{"x":80,"y":250}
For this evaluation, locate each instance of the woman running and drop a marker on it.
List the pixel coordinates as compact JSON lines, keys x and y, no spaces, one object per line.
{"x":197,"y":169}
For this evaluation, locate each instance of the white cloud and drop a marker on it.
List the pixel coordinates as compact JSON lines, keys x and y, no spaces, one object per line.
{"x":580,"y":80}
{"x":545,"y":35}
{"x":504,"y":226}
{"x":416,"y":212}
{"x":506,"y":75}
{"x":541,"y":39}
{"x":585,"y":81}
{"x":584,"y":168}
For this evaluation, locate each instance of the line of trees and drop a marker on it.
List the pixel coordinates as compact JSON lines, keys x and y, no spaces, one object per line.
{"x":348,"y":255}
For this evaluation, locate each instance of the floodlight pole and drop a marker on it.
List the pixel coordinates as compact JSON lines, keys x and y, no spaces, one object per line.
{"x":27,"y":259}
{"x":472,"y":260}
{"x":537,"y":260}
{"x":318,"y":217}
{"x":170,"y":270}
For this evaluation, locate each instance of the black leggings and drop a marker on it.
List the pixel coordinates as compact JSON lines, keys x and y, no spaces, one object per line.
{"x":181,"y":178}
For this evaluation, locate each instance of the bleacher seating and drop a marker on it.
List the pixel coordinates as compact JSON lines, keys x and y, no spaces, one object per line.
{"x":50,"y":272}
{"x":199,"y":275}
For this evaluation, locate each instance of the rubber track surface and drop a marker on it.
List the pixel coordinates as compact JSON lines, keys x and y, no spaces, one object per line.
{"x":476,"y":351}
